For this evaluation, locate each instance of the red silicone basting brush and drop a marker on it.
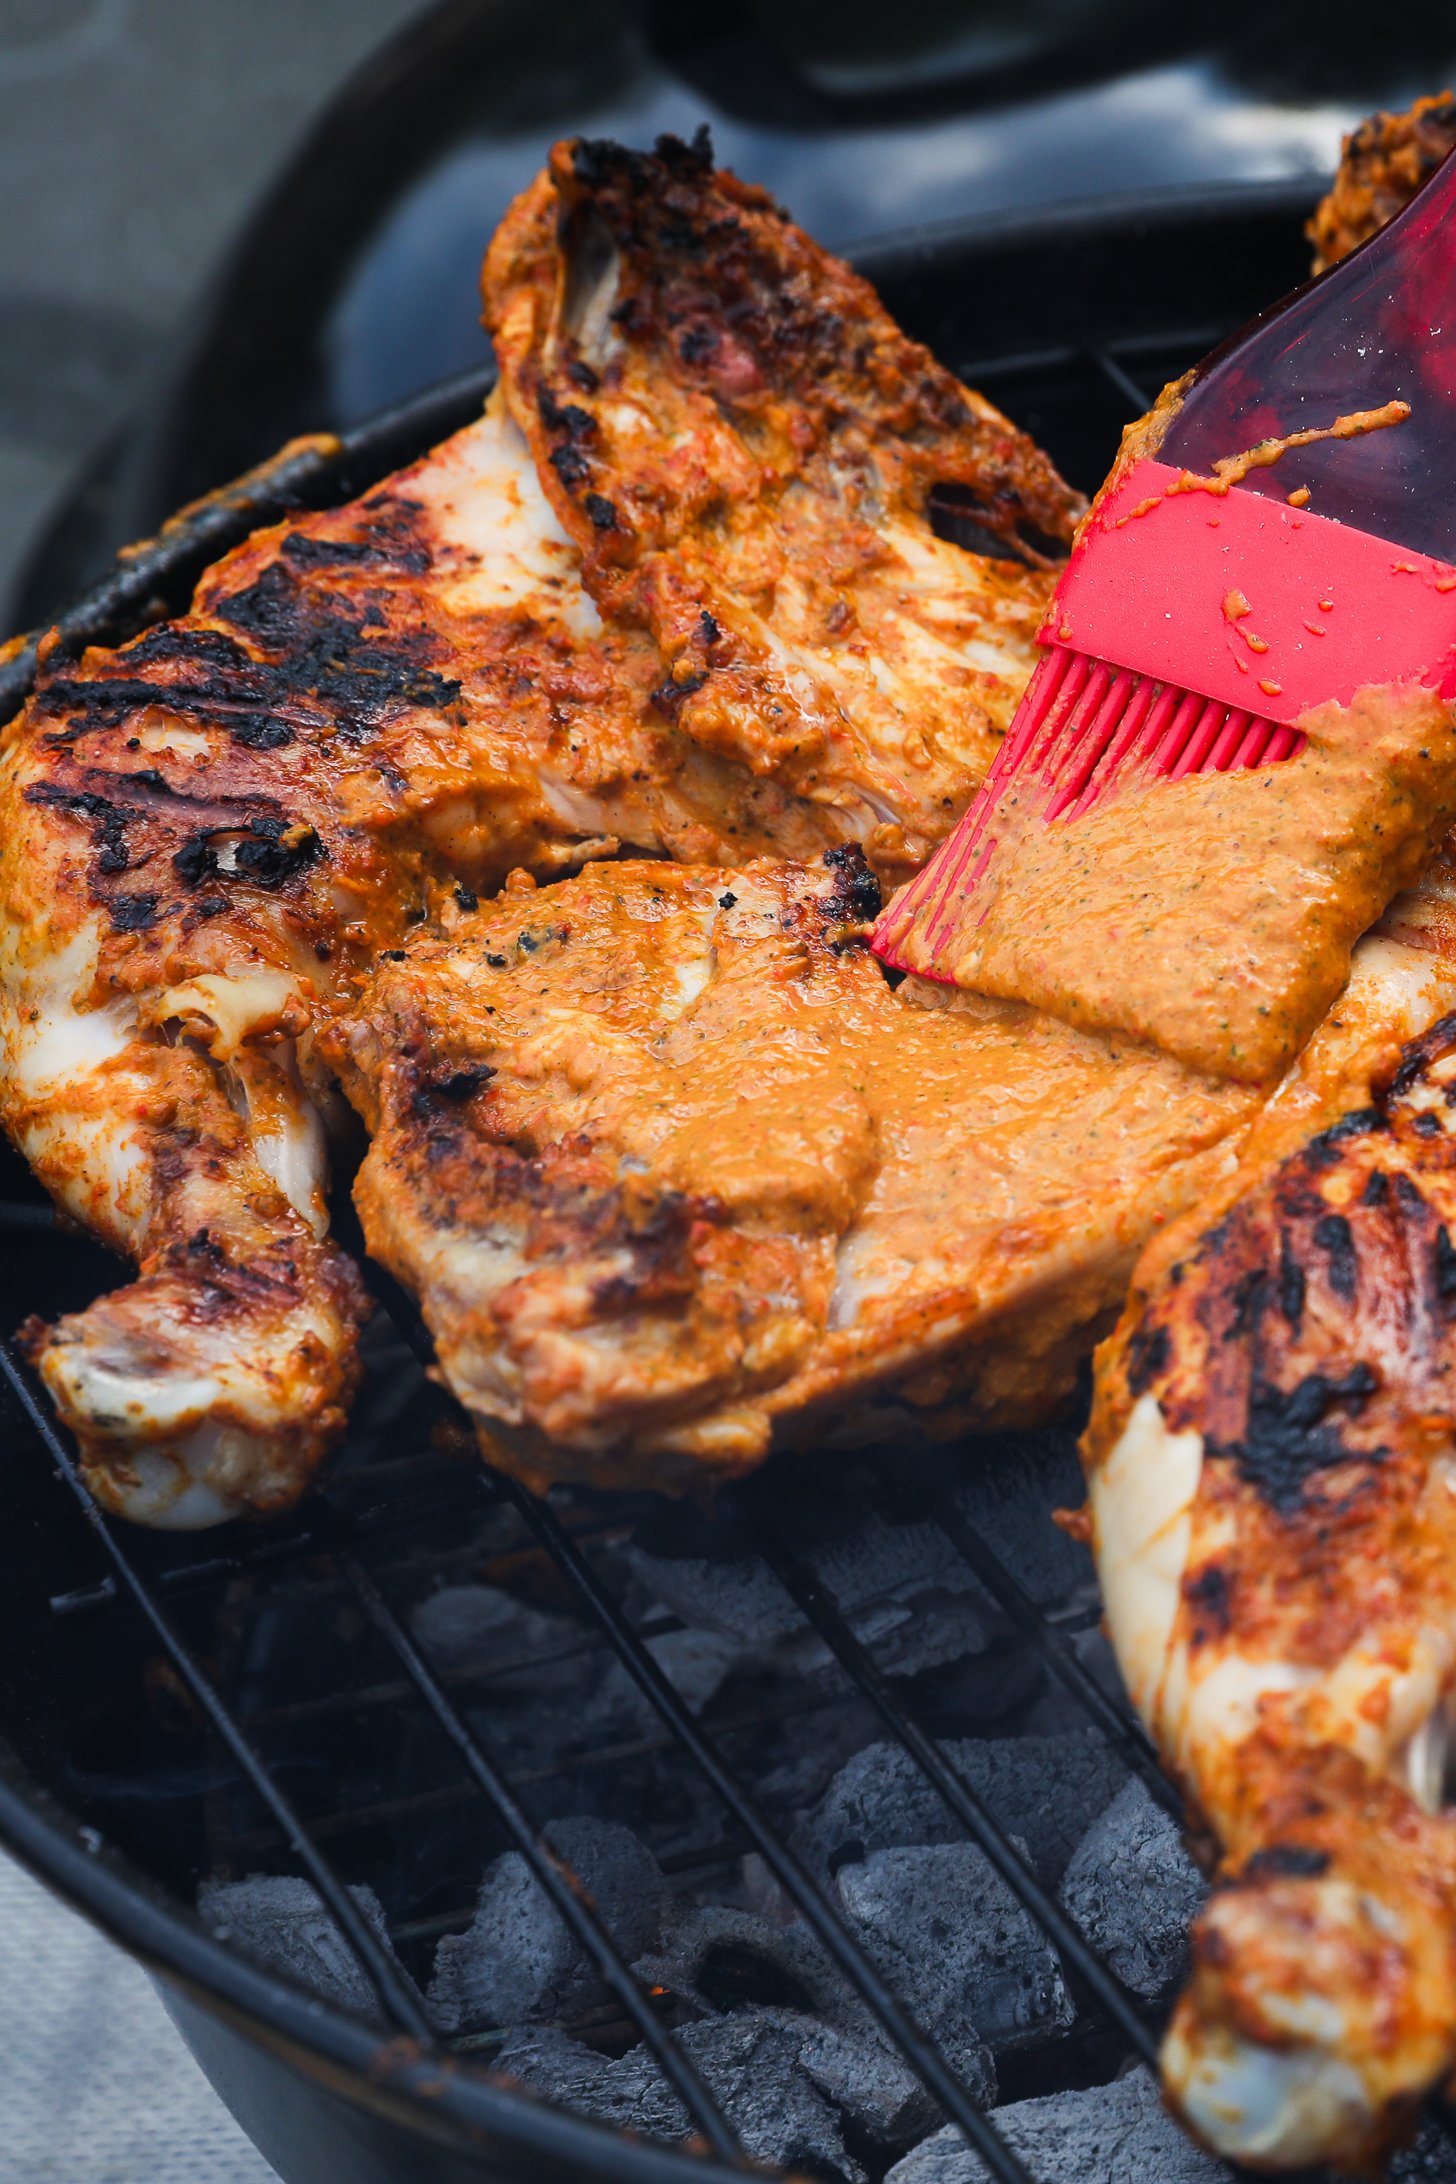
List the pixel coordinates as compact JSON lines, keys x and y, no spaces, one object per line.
{"x":1156,"y":665}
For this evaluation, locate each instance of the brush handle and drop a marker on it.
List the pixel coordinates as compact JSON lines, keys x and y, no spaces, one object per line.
{"x":1379,"y":326}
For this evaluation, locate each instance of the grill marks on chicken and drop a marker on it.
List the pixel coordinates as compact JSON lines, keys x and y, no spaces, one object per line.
{"x":209,"y":834}
{"x":371,"y":717}
{"x":745,"y":449}
{"x":1274,"y":1501}
{"x":675,"y":1173}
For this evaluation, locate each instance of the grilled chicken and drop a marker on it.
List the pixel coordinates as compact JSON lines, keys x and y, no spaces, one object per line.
{"x":745,"y":449}
{"x":374,"y":715}
{"x":674,"y":1172}
{"x":1273,"y":1503}
{"x":1273,"y":1499}
{"x":207,"y":837}
{"x":1383,"y":163}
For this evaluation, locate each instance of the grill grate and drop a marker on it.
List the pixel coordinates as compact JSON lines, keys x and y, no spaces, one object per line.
{"x":337,"y":1535}
{"x":1053,"y":393}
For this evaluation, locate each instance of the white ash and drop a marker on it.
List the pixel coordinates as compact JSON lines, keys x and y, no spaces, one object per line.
{"x":280,"y":1922}
{"x":749,"y":2063}
{"x":1113,"y":2134}
{"x":960,"y":1951}
{"x":1047,"y":1790}
{"x":517,"y":1960}
{"x":1132,"y":1888}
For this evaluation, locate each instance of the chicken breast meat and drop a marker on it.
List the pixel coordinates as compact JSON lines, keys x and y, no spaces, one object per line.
{"x":370,"y":717}
{"x":675,"y":1173}
{"x":745,"y":449}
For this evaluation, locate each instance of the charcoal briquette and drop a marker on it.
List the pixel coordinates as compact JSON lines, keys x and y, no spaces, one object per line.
{"x":517,"y":1960}
{"x":1047,"y":1790}
{"x":723,"y":1961}
{"x":964,"y":1956}
{"x":280,"y":1922}
{"x":1132,"y":1888}
{"x":1116,"y":2134}
{"x":749,"y":2063}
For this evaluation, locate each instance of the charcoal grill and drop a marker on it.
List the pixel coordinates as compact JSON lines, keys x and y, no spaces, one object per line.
{"x":144,"y":1714}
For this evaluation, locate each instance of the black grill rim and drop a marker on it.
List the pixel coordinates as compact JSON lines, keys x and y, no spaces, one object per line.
{"x":406,"y":2075}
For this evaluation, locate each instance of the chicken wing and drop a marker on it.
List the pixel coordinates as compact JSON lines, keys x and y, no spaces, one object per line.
{"x":675,"y":1173}
{"x":205,"y":838}
{"x":1272,"y":1488}
{"x":745,"y":449}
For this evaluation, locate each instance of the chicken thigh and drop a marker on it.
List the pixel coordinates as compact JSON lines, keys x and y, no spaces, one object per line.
{"x":208,"y":836}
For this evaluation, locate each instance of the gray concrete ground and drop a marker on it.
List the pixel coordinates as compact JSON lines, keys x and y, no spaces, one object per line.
{"x":134,"y":136}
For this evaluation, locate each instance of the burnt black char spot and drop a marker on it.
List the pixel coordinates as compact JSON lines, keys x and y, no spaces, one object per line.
{"x":1149,"y":1350}
{"x":1287,"y":1862}
{"x":572,"y":468}
{"x":1323,"y":1151}
{"x":177,"y":641}
{"x":667,"y":698}
{"x":1445,"y":1267}
{"x":1207,"y":1595}
{"x":454,"y":1089}
{"x":267,"y":852}
{"x":330,"y":657}
{"x":133,"y":913}
{"x":567,"y":417}
{"x":108,"y":822}
{"x":1291,"y":1285}
{"x":600,"y":510}
{"x":1291,"y":1434}
{"x":369,"y":553}
{"x":598,"y":161}
{"x":858,"y":894}
{"x":1333,"y":1234}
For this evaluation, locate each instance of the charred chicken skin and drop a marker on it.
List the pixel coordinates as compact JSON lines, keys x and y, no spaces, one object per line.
{"x":745,"y":449}
{"x":208,"y":837}
{"x":1384,"y":162}
{"x":370,"y":717}
{"x":1272,"y":1489}
{"x":1273,"y":1500}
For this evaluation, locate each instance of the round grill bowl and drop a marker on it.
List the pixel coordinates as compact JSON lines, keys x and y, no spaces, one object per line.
{"x":115,"y":1774}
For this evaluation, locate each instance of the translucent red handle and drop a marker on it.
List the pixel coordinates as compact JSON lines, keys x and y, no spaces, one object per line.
{"x":1378,"y":327}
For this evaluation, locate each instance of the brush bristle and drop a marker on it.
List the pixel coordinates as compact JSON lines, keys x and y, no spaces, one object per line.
{"x":1083,"y":729}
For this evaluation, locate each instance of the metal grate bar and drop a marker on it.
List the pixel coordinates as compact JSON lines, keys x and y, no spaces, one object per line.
{"x":19,"y":1220}
{"x":1121,"y":380}
{"x":479,"y":1676}
{"x":551,"y":1873}
{"x":1121,"y":1731}
{"x":823,"y":1615}
{"x":814,"y":1906}
{"x":396,"y":1996}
